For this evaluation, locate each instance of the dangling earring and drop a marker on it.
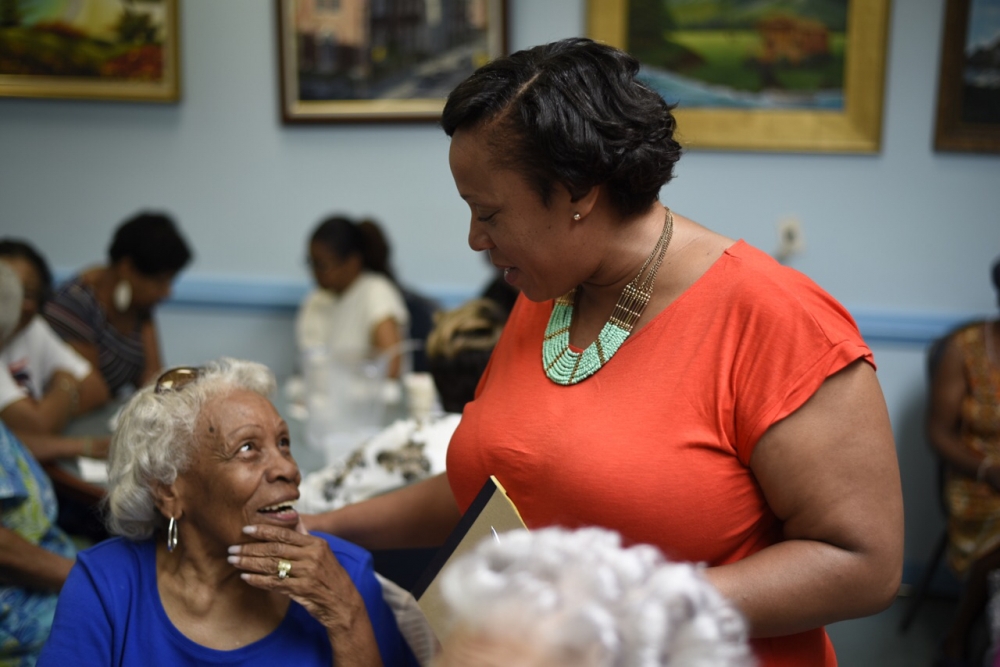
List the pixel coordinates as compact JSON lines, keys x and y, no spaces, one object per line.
{"x":122,"y":296}
{"x":172,"y":534}
{"x":576,"y":216}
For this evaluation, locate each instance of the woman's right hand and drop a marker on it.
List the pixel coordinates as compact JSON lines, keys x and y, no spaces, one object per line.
{"x":316,"y":581}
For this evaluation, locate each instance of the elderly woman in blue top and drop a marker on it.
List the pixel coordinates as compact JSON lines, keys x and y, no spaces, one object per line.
{"x":200,"y":464}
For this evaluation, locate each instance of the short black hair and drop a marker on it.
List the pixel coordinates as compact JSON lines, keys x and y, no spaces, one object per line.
{"x":572,"y":112}
{"x":24,"y":250}
{"x":152,"y":242}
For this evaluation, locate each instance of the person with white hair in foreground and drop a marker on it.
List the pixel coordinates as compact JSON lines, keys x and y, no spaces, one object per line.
{"x":559,"y":597}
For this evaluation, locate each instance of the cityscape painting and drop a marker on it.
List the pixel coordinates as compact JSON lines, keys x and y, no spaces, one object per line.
{"x":380,"y":60}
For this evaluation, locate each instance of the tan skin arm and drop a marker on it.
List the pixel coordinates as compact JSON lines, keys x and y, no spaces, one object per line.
{"x":25,"y":564}
{"x":829,"y":472}
{"x":386,"y":336}
{"x":93,"y":391}
{"x":97,"y":389}
{"x":419,"y":515}
{"x":944,"y":417}
{"x":47,"y":415}
{"x":151,"y":368}
{"x":45,"y":447}
{"x":151,"y":347}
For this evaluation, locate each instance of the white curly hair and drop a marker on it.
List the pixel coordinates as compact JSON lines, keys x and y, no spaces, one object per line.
{"x":154,"y":440}
{"x":581,"y":598}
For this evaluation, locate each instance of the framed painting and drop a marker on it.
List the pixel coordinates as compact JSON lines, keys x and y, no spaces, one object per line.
{"x":765,"y":75}
{"x":968,"y":104}
{"x":381,"y":60}
{"x":90,"y":49}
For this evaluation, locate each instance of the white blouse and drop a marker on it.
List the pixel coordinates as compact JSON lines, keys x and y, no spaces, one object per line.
{"x":343,"y":324}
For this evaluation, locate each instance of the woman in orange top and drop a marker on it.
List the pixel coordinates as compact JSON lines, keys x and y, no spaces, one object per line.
{"x":658,"y":379}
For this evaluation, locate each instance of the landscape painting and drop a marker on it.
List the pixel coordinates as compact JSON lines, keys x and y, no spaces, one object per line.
{"x":376,"y":60}
{"x":102,"y":49}
{"x":773,"y":75}
{"x":742,"y":53}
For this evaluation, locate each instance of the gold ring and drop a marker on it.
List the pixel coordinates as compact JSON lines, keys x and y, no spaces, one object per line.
{"x":284,"y":567}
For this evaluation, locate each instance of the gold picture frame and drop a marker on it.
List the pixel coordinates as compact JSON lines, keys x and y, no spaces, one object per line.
{"x":358,"y":63}
{"x":857,"y":128}
{"x":94,"y":54}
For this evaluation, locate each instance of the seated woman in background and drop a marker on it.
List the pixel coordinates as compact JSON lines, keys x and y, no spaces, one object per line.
{"x":35,"y":555}
{"x":561,"y":598}
{"x":106,"y":312}
{"x":43,"y":381}
{"x":200,"y":464}
{"x":358,"y":311}
{"x":963,"y":425}
{"x":409,"y":450}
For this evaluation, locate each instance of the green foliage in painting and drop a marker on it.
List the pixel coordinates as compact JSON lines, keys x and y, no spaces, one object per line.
{"x":10,"y":13}
{"x":136,"y":28}
{"x":749,"y":45}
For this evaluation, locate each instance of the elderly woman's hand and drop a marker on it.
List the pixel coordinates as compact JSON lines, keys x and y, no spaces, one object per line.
{"x":316,"y":581}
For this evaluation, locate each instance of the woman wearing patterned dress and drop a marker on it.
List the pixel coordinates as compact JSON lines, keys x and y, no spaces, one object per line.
{"x":964,"y":427}
{"x":106,"y":312}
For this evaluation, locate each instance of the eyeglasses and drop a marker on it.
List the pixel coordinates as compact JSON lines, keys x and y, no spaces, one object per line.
{"x":177,"y":378}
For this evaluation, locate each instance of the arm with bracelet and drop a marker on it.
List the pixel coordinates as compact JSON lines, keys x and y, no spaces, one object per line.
{"x":47,"y":414}
{"x":47,"y":448}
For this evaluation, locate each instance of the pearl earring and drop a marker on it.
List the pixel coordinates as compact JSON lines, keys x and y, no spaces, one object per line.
{"x":122,"y":295}
{"x":576,"y":216}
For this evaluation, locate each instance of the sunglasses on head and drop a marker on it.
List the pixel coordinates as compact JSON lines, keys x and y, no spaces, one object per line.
{"x":176,"y":378}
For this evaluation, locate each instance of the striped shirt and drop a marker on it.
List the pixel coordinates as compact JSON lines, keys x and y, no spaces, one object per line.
{"x":76,"y":315}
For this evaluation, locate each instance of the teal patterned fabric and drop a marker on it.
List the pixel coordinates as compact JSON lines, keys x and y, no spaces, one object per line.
{"x":27,"y":507}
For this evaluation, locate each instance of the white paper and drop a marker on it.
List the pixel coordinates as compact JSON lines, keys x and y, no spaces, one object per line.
{"x":94,"y":471}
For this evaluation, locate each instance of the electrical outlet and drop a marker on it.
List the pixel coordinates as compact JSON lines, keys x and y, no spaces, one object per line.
{"x":790,"y":240}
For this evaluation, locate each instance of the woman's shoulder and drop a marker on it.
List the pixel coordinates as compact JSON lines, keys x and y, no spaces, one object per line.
{"x":969,"y":332}
{"x":316,"y":296}
{"x":77,"y":293}
{"x":378,"y":283}
{"x":969,"y":339}
{"x":754,"y":277}
{"x":116,"y":553}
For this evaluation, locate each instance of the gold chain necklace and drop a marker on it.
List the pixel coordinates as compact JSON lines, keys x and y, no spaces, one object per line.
{"x":564,"y":366}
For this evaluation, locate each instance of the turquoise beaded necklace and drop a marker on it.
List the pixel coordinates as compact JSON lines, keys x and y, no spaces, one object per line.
{"x":564,"y":366}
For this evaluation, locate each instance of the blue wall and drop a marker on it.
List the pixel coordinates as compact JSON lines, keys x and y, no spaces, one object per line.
{"x":903,"y":237}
